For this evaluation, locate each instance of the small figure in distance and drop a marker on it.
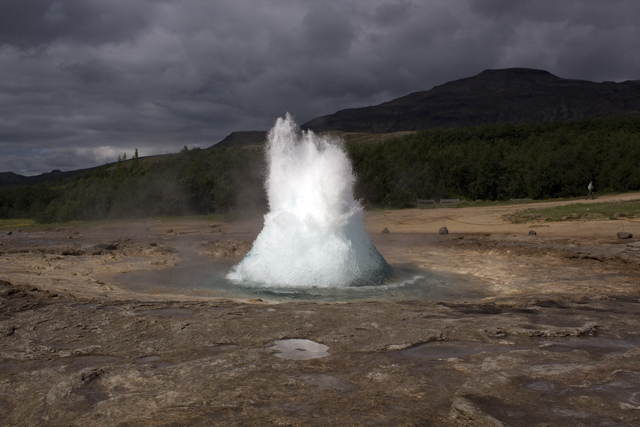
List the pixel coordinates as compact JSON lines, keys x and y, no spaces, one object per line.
{"x":590,"y":188}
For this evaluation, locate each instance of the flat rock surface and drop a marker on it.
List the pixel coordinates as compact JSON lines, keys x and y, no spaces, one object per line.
{"x":557,"y":342}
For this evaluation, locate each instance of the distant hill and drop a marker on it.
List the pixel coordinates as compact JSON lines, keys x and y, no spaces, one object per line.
{"x":236,"y":139}
{"x":515,"y":95}
{"x":10,"y":178}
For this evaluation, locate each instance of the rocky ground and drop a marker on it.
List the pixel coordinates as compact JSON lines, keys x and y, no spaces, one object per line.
{"x":556,"y":342}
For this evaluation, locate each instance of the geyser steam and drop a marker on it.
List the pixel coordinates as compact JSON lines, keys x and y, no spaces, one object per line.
{"x":314,"y":231}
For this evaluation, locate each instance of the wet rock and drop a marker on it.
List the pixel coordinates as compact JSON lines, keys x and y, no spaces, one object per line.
{"x":329,"y":382}
{"x":225,"y":249}
{"x":9,"y":233}
{"x":87,"y":377}
{"x":8,"y":290}
{"x":532,"y":233}
{"x":72,"y":252}
{"x":624,"y":235}
{"x":103,"y":248}
{"x":385,"y":231}
{"x":443,"y":230}
{"x":7,"y":331}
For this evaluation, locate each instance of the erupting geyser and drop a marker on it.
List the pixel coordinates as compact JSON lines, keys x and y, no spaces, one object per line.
{"x":314,"y":231}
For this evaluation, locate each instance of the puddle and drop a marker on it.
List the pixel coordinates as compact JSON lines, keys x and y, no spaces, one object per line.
{"x":449,"y":349}
{"x":540,"y":386}
{"x":329,"y":382}
{"x":154,"y":361}
{"x":88,"y":305}
{"x":6,"y":408}
{"x":106,"y":307}
{"x":73,"y":362}
{"x":92,"y":392}
{"x":218,"y":349}
{"x":87,"y":361}
{"x":598,"y":346}
{"x":169,"y":311}
{"x":148,"y":359}
{"x":203,"y":276}
{"x":623,"y":387}
{"x":299,"y":349}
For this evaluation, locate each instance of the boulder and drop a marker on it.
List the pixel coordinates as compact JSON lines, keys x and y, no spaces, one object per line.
{"x":443,"y":230}
{"x":385,"y":231}
{"x":624,"y":235}
{"x":570,"y":217}
{"x":532,"y":233}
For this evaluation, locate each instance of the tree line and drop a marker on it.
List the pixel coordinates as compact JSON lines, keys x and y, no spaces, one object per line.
{"x":192,"y":182}
{"x":500,"y":162}
{"x":491,"y":162}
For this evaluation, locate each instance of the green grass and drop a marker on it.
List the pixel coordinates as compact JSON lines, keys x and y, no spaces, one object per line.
{"x":29,"y":224}
{"x":630,"y":209}
{"x":17,"y":224}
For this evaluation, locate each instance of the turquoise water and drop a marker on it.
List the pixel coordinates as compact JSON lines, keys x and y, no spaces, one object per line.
{"x":208,"y":278}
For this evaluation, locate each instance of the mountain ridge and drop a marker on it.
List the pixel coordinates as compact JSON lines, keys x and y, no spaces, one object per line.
{"x":514,"y":95}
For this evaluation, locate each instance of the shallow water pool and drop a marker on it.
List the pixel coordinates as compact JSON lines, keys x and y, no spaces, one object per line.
{"x":203,"y":277}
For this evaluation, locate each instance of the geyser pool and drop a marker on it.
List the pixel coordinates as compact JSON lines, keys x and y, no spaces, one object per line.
{"x":313,"y":234}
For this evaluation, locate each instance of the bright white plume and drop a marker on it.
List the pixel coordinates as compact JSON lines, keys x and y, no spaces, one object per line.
{"x":314,"y":231}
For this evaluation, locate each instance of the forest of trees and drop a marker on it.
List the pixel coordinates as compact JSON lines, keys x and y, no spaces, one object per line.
{"x":492,"y":162}
{"x":500,"y":162}
{"x":190,"y":182}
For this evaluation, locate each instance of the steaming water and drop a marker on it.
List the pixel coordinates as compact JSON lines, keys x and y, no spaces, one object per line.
{"x":197,"y":275}
{"x":313,"y":245}
{"x":313,"y":235}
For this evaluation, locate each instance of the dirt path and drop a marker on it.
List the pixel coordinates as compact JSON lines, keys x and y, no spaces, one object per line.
{"x":492,"y":220}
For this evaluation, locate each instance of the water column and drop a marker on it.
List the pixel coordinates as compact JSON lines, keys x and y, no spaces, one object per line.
{"x":313,"y":234}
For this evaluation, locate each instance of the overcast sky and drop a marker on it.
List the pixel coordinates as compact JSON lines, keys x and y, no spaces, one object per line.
{"x":82,"y":81}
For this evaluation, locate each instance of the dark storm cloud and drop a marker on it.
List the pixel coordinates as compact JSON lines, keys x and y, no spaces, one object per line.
{"x":33,"y":23}
{"x":85,"y":80}
{"x":327,"y":31}
{"x":90,"y":72}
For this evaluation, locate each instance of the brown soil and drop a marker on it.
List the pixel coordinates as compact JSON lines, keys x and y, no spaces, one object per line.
{"x":556,"y":343}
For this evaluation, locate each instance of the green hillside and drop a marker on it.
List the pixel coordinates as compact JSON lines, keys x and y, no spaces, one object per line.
{"x":501,"y":162}
{"x":490,"y":162}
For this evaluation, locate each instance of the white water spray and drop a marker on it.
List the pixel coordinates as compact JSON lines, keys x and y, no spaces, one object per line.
{"x":314,"y":231}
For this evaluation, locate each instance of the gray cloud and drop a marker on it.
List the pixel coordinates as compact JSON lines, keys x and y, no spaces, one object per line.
{"x":90,"y":72}
{"x":86,"y":80}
